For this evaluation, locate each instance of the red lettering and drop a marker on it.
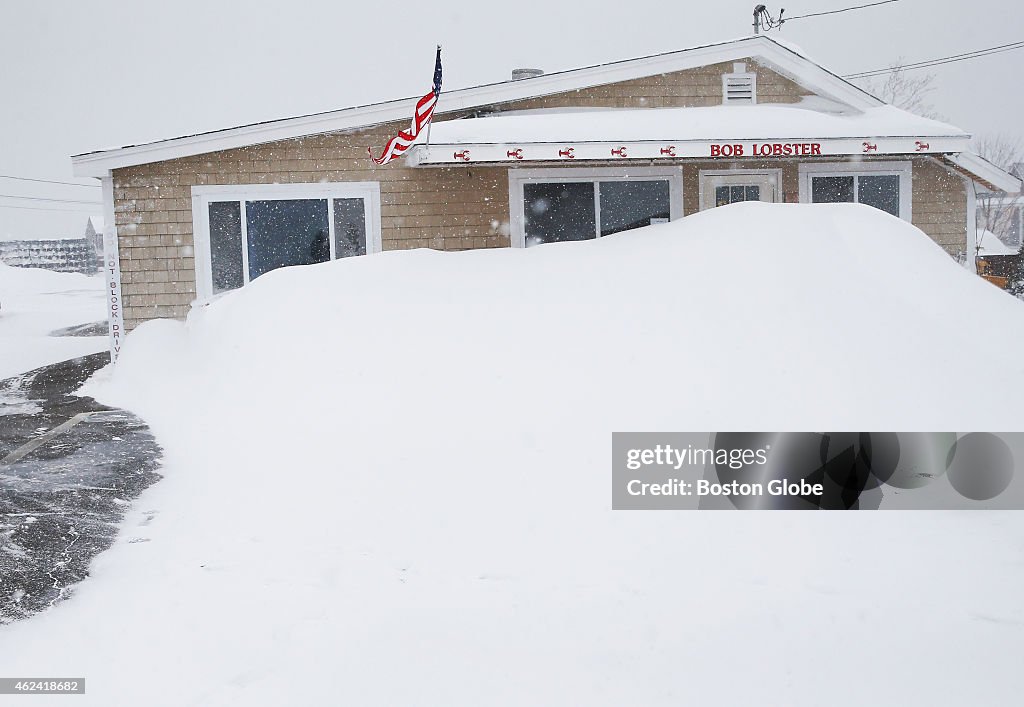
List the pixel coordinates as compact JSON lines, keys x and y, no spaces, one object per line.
{"x":815,"y":148}
{"x":716,"y":150}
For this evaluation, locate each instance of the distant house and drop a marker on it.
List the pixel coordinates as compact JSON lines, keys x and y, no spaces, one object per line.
{"x":572,"y":155}
{"x":1000,"y":234}
{"x":94,"y":234}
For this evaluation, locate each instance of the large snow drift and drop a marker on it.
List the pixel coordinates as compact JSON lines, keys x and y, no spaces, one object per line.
{"x":387,"y":481}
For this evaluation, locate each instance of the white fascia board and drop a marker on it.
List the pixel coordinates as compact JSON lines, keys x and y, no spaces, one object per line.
{"x":774,"y":55}
{"x":513,"y":153}
{"x":987,"y":172}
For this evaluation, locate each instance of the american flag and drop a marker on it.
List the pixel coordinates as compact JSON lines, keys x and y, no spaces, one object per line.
{"x":420,"y":120}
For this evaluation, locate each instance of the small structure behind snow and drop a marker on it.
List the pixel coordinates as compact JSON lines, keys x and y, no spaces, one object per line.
{"x":82,"y":255}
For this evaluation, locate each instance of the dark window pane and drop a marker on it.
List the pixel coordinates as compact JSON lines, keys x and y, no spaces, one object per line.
{"x":831,"y":190}
{"x":721,"y":196}
{"x":736,"y":193}
{"x":559,"y":212}
{"x":349,"y":228}
{"x":632,"y":204}
{"x":286,"y":232}
{"x":881,"y":191}
{"x":226,"y":245}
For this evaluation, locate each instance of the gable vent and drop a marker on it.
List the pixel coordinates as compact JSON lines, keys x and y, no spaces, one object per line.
{"x":740,"y":87}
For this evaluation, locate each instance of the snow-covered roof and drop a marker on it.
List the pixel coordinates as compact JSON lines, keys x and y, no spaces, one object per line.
{"x":766,"y":130}
{"x":990,"y":244}
{"x":779,"y":57}
{"x":766,"y":121}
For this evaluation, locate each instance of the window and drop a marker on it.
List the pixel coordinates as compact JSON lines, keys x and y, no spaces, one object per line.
{"x":884,"y":185}
{"x":632,"y":204}
{"x":244,"y":232}
{"x":735,"y":194}
{"x":720,"y":187}
{"x":284,"y":232}
{"x":881,"y":191}
{"x":559,"y":212}
{"x":565,"y":204}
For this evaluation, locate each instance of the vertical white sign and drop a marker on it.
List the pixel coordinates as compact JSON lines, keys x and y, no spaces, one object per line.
{"x":112,"y":272}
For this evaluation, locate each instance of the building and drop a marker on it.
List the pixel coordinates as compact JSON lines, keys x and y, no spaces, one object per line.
{"x":1000,"y":223}
{"x":59,"y":254}
{"x":94,"y":234}
{"x":548,"y":157}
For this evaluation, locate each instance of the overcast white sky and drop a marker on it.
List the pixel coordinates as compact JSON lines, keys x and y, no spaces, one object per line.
{"x":77,"y":76}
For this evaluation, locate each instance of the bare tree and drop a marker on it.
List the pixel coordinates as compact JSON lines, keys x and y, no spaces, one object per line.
{"x":903,"y":90}
{"x":998,"y":213}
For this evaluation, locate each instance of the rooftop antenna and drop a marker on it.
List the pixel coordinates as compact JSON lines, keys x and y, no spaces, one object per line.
{"x":763,"y":19}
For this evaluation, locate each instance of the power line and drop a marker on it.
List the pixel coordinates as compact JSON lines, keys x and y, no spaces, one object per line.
{"x":48,"y":181}
{"x":999,"y":49}
{"x":834,"y":12}
{"x":43,"y":198}
{"x":52,"y":209}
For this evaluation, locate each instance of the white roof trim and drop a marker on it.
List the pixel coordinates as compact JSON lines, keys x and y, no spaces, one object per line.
{"x":986,"y":171}
{"x":772,"y":54}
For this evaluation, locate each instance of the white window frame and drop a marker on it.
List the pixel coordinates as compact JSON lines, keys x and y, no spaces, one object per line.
{"x":204,"y":195}
{"x":555,"y":175}
{"x":901,"y":168}
{"x":705,"y":175}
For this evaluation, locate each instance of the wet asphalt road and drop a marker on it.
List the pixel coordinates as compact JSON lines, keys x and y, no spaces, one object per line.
{"x":61,"y":501}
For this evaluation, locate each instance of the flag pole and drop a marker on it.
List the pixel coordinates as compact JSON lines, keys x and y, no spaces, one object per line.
{"x":438,"y":87}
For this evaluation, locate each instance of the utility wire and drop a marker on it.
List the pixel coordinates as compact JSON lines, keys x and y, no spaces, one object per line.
{"x":834,"y":12}
{"x":52,"y":210}
{"x":43,"y":198}
{"x":941,"y":60}
{"x":48,"y":181}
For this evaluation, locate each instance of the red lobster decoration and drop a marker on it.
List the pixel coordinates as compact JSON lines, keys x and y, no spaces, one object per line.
{"x":464,"y":155}
{"x":567,"y":153}
{"x":669,"y":151}
{"x":921,"y":146}
{"x":621,"y":152}
{"x":516,"y":154}
{"x":870,"y":147}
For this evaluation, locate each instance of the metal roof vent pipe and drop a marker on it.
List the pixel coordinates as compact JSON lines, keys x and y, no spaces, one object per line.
{"x":519,"y":74}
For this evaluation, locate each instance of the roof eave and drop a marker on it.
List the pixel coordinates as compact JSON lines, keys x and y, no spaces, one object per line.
{"x":981,"y":170}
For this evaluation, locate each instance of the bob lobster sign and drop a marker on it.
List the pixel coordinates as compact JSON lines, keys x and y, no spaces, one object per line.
{"x":512,"y":152}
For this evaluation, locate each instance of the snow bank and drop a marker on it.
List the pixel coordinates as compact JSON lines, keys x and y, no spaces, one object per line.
{"x":990,"y":244}
{"x":710,"y":123}
{"x":387,"y":481}
{"x":35,"y":302}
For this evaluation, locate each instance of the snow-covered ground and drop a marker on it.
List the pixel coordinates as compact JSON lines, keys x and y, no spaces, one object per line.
{"x":387,"y":481}
{"x":36,"y":302}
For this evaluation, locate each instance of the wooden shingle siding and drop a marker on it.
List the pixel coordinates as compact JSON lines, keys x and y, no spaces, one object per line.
{"x":685,"y":89}
{"x":940,"y":205}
